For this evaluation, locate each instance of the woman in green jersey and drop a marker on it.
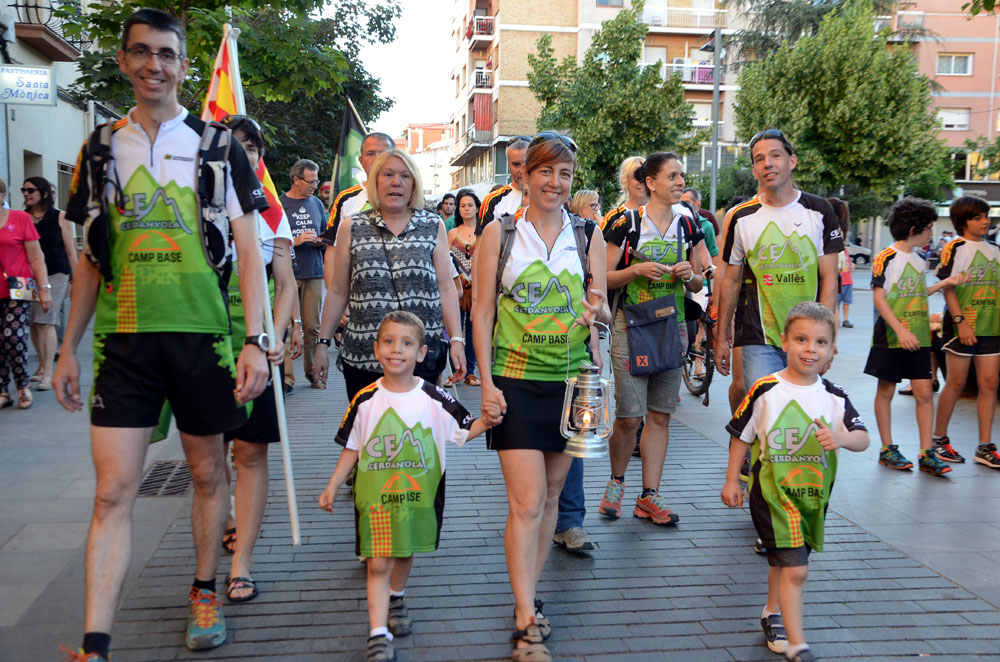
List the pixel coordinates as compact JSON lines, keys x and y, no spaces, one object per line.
{"x":534,"y":333}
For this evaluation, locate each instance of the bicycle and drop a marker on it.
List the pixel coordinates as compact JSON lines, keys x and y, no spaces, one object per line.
{"x":701,"y":351}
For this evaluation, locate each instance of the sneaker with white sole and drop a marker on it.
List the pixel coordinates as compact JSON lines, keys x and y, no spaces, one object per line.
{"x":946,"y":452}
{"x":574,"y":539}
{"x":987,"y":455}
{"x":774,"y":633}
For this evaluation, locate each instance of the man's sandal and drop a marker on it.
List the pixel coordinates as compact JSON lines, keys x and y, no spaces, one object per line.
{"x":229,"y":540}
{"x":544,"y":625}
{"x":234,"y":584}
{"x":534,"y":650}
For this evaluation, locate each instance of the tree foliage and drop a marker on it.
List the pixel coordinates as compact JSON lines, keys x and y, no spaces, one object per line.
{"x":296,"y":67}
{"x":976,"y":7}
{"x":857,"y":110}
{"x":613,"y":107}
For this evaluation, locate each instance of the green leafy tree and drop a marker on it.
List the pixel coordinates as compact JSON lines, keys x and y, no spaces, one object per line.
{"x":732,"y":181}
{"x":976,"y":7}
{"x":612,"y":106}
{"x":857,"y":110}
{"x":296,"y":68}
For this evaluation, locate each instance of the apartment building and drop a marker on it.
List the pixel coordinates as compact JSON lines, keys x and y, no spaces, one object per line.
{"x":493,"y":38}
{"x":430,"y":145}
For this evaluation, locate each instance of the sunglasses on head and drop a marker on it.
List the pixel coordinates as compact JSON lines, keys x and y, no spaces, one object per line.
{"x":774,"y":134}
{"x":545,"y":136}
{"x":237,"y":121}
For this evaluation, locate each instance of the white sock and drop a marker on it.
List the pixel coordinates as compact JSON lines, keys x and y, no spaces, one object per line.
{"x":384,"y":631}
{"x":396,"y":594}
{"x":764,"y":613}
{"x":795,"y":650}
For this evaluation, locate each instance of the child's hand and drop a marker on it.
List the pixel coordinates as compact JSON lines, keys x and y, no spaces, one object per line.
{"x":825,"y":436}
{"x":326,"y":499}
{"x":732,"y":494}
{"x":908,"y":341}
{"x":960,"y":278}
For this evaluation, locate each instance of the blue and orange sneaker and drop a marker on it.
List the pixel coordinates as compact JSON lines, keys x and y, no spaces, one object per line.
{"x":892,"y":458}
{"x":206,"y":624}
{"x":932,"y":464}
{"x":79,"y":656}
{"x":611,"y":504}
{"x":654,"y":507}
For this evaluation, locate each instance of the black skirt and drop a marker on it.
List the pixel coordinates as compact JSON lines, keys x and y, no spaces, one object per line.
{"x":534,"y":410}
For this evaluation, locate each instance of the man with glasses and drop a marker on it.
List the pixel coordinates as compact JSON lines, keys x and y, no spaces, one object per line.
{"x":354,"y":199}
{"x":507,"y":199}
{"x":785,"y":243}
{"x":305,"y":214}
{"x":162,"y":327}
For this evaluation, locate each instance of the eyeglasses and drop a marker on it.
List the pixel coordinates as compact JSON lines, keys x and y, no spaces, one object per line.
{"x":545,"y":136}
{"x":774,"y":134}
{"x":310,"y":182}
{"x":595,"y":205}
{"x":142,"y":54}
{"x":26,"y":191}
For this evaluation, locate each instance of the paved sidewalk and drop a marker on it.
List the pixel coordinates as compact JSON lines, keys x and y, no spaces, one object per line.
{"x":910,"y":569}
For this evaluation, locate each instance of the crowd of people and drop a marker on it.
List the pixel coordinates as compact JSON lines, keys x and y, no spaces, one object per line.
{"x":520,"y":285}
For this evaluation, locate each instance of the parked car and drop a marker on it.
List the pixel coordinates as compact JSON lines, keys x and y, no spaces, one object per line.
{"x":859,"y":254}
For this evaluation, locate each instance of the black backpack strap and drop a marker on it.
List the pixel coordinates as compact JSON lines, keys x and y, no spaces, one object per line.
{"x":583,"y":230}
{"x":97,"y":226}
{"x":213,"y":164}
{"x":507,"y":229}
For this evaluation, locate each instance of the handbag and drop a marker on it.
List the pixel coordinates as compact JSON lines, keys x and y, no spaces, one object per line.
{"x":437,"y":349}
{"x":22,"y":288}
{"x":654,"y":340}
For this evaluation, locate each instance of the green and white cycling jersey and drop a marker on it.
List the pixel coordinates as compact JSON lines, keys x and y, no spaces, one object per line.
{"x":901,"y":275}
{"x":978,"y":297}
{"x":791,"y":475}
{"x":541,"y":295}
{"x":780,"y":248}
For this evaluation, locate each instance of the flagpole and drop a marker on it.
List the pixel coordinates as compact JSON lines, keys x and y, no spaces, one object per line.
{"x":279,"y":398}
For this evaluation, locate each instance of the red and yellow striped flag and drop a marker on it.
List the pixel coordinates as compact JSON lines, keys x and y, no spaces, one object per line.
{"x":225,"y":97}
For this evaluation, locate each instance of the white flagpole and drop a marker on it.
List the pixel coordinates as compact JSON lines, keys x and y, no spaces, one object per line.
{"x":279,"y":397}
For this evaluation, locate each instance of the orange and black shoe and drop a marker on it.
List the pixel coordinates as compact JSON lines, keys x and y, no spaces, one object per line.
{"x":79,"y":656}
{"x":946,"y":452}
{"x":654,"y":507}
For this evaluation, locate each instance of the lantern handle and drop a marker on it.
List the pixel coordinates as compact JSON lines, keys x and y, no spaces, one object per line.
{"x":594,"y":323}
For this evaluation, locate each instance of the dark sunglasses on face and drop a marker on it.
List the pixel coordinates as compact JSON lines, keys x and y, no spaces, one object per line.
{"x":767,"y":133}
{"x":545,"y":136}
{"x":26,"y":191}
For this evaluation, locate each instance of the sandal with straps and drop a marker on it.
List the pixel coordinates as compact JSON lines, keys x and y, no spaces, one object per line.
{"x":543,"y":623}
{"x":24,"y":398}
{"x":534,"y":651}
{"x":6,"y":400}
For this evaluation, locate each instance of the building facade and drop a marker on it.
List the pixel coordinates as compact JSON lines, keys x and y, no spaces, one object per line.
{"x":493,"y":38}
{"x":431,"y":147}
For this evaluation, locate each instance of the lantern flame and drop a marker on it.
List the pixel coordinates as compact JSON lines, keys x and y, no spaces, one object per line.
{"x":586,"y":418}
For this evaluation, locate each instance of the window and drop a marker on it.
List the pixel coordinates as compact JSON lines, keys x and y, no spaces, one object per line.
{"x":702,"y":113}
{"x":954,"y":119}
{"x":609,"y":3}
{"x":954,"y":64}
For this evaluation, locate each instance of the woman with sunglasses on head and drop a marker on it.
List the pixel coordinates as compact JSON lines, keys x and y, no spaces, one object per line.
{"x":655,"y":250}
{"x":533,"y":332}
{"x":462,"y":240}
{"x":59,"y":248}
{"x":250,"y":442}
{"x":634,"y":193}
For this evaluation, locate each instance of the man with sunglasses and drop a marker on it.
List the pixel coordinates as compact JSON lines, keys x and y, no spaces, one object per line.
{"x":785,"y":243}
{"x":306,"y":214}
{"x":162,"y":327}
{"x":507,"y":199}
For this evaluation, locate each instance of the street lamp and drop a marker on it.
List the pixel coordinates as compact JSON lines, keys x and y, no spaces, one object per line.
{"x":714,"y":45}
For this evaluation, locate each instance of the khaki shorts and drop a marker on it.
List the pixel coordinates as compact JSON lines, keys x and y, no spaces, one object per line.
{"x":635,"y":396}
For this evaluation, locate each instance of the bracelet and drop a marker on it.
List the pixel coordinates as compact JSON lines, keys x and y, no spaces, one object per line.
{"x":323,"y":341}
{"x":299,"y":322}
{"x":457,"y":339}
{"x":688,"y":279}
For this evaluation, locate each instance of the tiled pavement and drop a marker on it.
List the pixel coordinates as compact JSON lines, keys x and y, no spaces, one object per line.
{"x":693,"y":592}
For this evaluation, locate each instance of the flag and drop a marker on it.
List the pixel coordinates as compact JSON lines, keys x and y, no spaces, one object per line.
{"x":225,"y":97}
{"x":347,"y":170}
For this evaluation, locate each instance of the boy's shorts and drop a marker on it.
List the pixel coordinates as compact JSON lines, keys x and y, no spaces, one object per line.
{"x":896,"y":364}
{"x":788,"y":557}
{"x":135,"y":372}
{"x":984,"y":346}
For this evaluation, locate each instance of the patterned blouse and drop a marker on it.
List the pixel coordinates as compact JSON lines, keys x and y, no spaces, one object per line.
{"x":390,"y":273}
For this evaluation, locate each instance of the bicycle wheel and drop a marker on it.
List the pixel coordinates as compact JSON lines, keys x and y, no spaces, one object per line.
{"x":693,"y":371}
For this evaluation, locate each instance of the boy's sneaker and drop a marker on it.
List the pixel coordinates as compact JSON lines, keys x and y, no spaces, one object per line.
{"x":774,"y":632}
{"x":206,"y":626}
{"x":892,"y":458}
{"x":804,"y":655}
{"x":574,"y":539}
{"x":399,"y":621}
{"x":654,"y":507}
{"x":380,"y":649}
{"x":758,"y":547}
{"x":79,"y":656}
{"x":946,"y":452}
{"x":988,"y":455}
{"x":745,"y":469}
{"x":932,"y":464}
{"x":611,"y":504}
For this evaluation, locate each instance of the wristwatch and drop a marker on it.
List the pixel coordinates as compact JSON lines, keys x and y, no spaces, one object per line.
{"x":958,"y":318}
{"x":263,"y":341}
{"x":323,"y":341}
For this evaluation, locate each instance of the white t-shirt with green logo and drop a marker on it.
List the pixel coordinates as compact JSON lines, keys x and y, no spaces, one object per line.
{"x":978,"y":297}
{"x":901,"y":275}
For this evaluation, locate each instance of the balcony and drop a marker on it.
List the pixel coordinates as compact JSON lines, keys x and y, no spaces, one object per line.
{"x":691,"y":72}
{"x":684,"y":17}
{"x":480,"y":80}
{"x":472,"y":144}
{"x":480,"y":32}
{"x":39,"y":25}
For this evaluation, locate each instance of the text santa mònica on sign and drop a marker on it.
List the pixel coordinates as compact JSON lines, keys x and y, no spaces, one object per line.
{"x":34,"y":86}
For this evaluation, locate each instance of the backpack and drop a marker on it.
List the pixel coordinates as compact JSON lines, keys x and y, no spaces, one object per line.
{"x":582,"y":231}
{"x":213,"y":215}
